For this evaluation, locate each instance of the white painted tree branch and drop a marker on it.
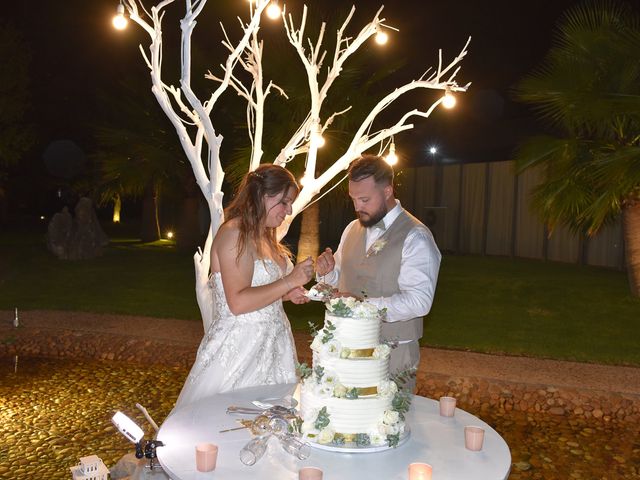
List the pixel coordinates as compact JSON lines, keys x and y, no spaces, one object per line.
{"x":192,"y":120}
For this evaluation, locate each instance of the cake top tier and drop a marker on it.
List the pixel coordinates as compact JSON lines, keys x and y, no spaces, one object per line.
{"x":350,"y":307}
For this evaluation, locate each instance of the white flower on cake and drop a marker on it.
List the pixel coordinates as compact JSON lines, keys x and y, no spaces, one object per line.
{"x":390,"y":417}
{"x":323,"y":391}
{"x":345,"y":352}
{"x":317,"y":342}
{"x":311,"y":415}
{"x":364,"y":310}
{"x":385,"y":429}
{"x":331,"y":348}
{"x":382,"y":351}
{"x":339,"y":391}
{"x":326,"y":435}
{"x":307,"y":427}
{"x":377,"y":438}
{"x":387,"y":389}
{"x":351,"y":307}
{"x":376,"y":247}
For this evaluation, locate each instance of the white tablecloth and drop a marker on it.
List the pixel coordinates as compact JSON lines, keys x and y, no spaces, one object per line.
{"x":436,"y":440}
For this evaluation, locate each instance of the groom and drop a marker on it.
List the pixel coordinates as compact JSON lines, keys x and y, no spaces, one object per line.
{"x":387,"y":255}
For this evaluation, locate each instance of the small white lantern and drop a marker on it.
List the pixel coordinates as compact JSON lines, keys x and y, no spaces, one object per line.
{"x":90,"y":468}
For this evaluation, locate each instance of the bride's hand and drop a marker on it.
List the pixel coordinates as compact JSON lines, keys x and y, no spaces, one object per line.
{"x":301,"y":274}
{"x":298,"y":296}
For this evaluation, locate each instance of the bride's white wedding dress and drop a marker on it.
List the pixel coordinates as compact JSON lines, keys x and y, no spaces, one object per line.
{"x":244,"y":350}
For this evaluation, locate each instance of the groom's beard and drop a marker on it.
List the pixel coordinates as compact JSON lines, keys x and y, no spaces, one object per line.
{"x":367,"y":220}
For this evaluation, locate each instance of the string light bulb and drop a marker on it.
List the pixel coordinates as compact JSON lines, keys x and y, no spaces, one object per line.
{"x":392,"y":157}
{"x":304,"y":181}
{"x":317,"y":140}
{"x":448,"y":101}
{"x":382,"y":37}
{"x":273,"y":10}
{"x":119,"y":20}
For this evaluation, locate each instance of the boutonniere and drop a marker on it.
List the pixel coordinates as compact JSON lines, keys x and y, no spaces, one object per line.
{"x":376,"y":247}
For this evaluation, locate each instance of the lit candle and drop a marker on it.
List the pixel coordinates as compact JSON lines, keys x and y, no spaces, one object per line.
{"x":420,"y":471}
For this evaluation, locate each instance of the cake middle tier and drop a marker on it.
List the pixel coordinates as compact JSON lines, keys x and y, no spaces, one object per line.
{"x":355,"y":372}
{"x":356,"y":333}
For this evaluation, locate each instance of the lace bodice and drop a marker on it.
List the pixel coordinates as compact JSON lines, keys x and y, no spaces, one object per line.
{"x":265,"y":271}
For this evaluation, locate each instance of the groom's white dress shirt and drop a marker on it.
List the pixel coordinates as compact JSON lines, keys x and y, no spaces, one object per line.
{"x":418,"y":270}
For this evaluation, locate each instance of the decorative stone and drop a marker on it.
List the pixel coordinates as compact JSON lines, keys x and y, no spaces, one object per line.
{"x":77,"y":238}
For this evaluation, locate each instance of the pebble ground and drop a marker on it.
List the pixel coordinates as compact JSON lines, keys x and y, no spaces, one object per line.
{"x":52,"y":412}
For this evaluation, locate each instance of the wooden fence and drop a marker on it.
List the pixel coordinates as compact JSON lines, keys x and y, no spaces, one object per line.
{"x":484,"y":208}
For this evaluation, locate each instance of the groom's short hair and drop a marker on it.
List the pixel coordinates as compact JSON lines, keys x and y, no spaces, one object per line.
{"x":371,"y":165}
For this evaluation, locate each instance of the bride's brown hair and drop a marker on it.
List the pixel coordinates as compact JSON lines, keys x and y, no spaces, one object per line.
{"x":248,"y":206}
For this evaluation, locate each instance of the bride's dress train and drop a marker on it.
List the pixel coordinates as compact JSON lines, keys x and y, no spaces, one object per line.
{"x":244,"y":350}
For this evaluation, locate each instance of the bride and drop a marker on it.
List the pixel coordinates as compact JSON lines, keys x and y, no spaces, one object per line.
{"x":249,"y":341}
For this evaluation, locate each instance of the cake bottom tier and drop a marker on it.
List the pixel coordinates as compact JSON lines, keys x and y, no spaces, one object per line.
{"x":360,"y":415}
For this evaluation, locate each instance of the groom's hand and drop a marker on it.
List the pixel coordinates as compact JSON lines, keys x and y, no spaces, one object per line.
{"x":325,"y":263}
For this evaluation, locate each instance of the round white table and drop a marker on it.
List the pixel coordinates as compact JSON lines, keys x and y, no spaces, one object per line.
{"x":436,"y":440}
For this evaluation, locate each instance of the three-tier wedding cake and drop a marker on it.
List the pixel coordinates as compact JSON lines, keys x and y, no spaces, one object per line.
{"x":347,"y":397}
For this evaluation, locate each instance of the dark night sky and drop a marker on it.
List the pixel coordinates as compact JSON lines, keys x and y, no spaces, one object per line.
{"x":76,"y":53}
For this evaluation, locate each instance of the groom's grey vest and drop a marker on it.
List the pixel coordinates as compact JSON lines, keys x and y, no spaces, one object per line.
{"x":376,"y":275}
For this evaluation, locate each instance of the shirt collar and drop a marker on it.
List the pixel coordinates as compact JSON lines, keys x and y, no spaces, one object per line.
{"x":390,"y":217}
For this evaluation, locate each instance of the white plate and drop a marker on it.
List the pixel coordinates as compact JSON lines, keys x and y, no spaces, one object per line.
{"x":353,"y":449}
{"x":316,"y":298}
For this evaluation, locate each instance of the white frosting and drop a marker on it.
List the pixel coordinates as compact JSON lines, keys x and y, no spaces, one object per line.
{"x":360,"y":415}
{"x":355,"y":372}
{"x":356,"y":333}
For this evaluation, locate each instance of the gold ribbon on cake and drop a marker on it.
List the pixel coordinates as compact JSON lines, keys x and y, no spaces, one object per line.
{"x":360,"y":352}
{"x":362,"y":391}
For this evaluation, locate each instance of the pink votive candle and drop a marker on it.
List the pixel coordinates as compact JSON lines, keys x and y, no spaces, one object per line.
{"x":447,"y":406}
{"x":473,"y":438}
{"x":206,"y":457}
{"x":420,"y":471}
{"x":310,"y":473}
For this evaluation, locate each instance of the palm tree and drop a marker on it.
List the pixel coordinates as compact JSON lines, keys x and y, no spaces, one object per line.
{"x":137,"y":157}
{"x":16,"y":135}
{"x":588,"y":91}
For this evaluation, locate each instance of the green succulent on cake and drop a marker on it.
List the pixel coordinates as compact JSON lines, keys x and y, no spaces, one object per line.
{"x":322,"y":420}
{"x":393,"y":440}
{"x":352,"y":394}
{"x":362,"y":440}
{"x":328,"y":332}
{"x":303,"y":371}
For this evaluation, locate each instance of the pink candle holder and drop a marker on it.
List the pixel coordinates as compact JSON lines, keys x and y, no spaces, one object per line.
{"x":473,"y":438}
{"x":447,"y":406}
{"x":206,"y":457}
{"x":310,"y":473}
{"x":420,"y":471}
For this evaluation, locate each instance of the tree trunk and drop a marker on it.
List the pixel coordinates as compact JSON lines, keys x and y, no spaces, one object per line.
{"x":117,"y":207}
{"x":150,"y":228}
{"x":309,"y":241}
{"x":631,"y":228}
{"x":188,"y":232}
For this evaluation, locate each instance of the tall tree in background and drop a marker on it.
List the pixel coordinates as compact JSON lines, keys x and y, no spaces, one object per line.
{"x":588,"y":90}
{"x":16,"y":135}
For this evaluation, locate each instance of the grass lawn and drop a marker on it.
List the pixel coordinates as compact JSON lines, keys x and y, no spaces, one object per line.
{"x":486,"y":304}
